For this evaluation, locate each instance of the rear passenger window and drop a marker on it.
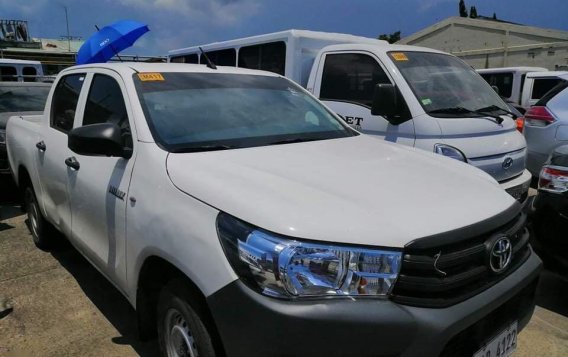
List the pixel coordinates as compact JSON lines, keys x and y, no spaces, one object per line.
{"x":64,"y":102}
{"x":351,"y":77}
{"x":193,"y":58}
{"x":543,"y":85}
{"x":8,"y":74}
{"x":29,"y":73}
{"x":267,"y":57}
{"x":226,"y":57}
{"x":105,"y":104}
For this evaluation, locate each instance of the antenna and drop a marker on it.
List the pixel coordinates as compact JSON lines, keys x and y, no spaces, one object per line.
{"x":209,"y":63}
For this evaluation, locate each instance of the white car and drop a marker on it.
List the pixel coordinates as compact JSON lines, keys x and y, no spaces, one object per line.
{"x":241,"y":217}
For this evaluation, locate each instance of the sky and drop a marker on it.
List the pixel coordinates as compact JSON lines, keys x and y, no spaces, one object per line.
{"x":181,"y":23}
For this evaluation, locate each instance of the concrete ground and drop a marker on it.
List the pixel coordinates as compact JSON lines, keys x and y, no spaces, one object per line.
{"x":63,"y":307}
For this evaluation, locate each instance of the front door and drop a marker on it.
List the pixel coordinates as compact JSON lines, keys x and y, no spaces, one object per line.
{"x":99,"y":185}
{"x":347,"y":83}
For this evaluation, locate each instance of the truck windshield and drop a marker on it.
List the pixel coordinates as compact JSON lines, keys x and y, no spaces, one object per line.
{"x":23,"y":98}
{"x":445,"y":86}
{"x":189,"y":112}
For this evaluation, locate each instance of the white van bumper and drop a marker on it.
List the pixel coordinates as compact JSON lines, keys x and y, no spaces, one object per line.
{"x":518,"y":187}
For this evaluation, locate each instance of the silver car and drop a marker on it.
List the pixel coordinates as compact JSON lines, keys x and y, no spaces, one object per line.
{"x":546,"y":126}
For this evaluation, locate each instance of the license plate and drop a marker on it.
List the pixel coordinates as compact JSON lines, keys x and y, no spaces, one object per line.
{"x":501,"y":346}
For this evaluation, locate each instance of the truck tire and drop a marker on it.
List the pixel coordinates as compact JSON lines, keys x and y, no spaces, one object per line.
{"x":41,"y":230}
{"x":181,"y":329}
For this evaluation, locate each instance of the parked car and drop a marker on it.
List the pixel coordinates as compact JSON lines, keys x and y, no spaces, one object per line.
{"x":430,"y":99}
{"x":240,"y":216}
{"x":13,"y":70}
{"x":509,"y":81}
{"x":546,"y":126}
{"x":537,"y":84}
{"x":18,"y":99}
{"x":550,"y":219}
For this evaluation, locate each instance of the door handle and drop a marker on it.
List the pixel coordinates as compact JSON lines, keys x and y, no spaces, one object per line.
{"x":72,"y":163}
{"x":41,"y":146}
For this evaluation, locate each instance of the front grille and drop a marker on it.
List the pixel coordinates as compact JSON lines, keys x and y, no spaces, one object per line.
{"x":422,"y":282}
{"x":470,"y":340}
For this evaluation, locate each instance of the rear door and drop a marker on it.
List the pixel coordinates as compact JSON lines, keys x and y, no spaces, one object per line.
{"x":346,"y":83}
{"x":98,"y":188}
{"x":52,"y":149}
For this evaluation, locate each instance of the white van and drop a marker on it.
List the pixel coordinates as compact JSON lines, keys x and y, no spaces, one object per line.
{"x":405,"y":94}
{"x":508,"y":80}
{"x":13,"y":70}
{"x":537,"y":84}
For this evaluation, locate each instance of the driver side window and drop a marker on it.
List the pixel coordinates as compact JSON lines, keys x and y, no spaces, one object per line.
{"x":351,"y":77}
{"x":105,"y":104}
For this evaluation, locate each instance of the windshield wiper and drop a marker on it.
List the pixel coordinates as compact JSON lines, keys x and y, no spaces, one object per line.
{"x":295,"y":140}
{"x":202,"y":148}
{"x":493,"y":108}
{"x":462,"y":110}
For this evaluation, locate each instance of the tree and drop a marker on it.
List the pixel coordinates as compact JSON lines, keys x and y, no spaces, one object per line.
{"x":473,"y":12}
{"x":391,"y":38}
{"x":463,"y":9}
{"x":494,"y":16}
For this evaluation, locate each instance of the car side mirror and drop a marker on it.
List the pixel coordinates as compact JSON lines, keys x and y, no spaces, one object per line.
{"x":104,"y":139}
{"x":388,"y":104}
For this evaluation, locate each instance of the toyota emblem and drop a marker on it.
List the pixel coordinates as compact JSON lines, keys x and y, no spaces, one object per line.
{"x":507,"y":163}
{"x":500,"y":255}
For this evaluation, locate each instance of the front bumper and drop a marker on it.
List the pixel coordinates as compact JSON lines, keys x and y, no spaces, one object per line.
{"x":251,"y":324}
{"x":518,"y":187}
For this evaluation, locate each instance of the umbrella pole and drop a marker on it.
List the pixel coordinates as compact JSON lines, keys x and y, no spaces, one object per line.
{"x":112,"y":48}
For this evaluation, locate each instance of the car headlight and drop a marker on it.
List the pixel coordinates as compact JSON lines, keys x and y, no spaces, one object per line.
{"x":2,"y":136}
{"x":449,"y":151}
{"x":287,"y":268}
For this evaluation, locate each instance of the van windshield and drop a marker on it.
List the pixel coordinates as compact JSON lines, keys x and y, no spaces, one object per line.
{"x":190,"y":112}
{"x":445,"y":86}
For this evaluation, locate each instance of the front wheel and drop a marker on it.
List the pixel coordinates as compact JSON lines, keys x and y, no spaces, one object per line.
{"x":39,"y":227}
{"x":181,"y":329}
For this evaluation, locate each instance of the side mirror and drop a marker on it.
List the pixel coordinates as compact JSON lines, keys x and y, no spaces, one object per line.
{"x":387,"y":103}
{"x":103,"y":139}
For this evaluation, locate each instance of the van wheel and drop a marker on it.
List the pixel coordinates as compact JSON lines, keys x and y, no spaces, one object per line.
{"x":181,"y":329}
{"x":39,"y":227}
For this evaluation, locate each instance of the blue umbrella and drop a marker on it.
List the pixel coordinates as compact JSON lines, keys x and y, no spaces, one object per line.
{"x":110,"y":40}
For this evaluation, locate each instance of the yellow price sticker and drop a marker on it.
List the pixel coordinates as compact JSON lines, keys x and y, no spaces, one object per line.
{"x":399,"y":56}
{"x":150,"y":77}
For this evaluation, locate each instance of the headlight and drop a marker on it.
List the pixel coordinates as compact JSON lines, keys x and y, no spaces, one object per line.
{"x":2,"y":136}
{"x":449,"y":151}
{"x":288,"y":268}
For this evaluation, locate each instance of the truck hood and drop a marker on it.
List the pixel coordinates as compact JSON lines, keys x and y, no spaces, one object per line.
{"x":351,"y":190}
{"x":5,"y":116}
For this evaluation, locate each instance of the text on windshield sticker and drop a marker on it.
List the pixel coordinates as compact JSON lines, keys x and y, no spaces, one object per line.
{"x":399,"y":56}
{"x":150,"y":77}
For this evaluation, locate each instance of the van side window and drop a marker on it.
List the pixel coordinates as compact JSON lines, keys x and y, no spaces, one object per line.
{"x":503,"y":81}
{"x":543,"y":85}
{"x":193,"y":58}
{"x":64,"y":102}
{"x":105,"y":104}
{"x":29,"y":74}
{"x":226,"y":57}
{"x":267,"y":57}
{"x":351,"y":77}
{"x":8,"y":74}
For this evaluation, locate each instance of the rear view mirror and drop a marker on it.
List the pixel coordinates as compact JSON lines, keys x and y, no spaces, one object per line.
{"x":103,"y":139}
{"x":388,"y":104}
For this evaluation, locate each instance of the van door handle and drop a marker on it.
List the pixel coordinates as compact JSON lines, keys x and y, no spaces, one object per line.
{"x":72,"y":163}
{"x":41,"y":146}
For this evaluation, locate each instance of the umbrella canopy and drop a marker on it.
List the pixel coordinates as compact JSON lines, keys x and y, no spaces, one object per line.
{"x":110,"y":40}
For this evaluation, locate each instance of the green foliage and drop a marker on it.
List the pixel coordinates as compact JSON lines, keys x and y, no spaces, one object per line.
{"x":463,"y":9}
{"x":473,"y":12}
{"x":391,"y":38}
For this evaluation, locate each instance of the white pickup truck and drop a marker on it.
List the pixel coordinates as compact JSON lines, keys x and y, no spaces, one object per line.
{"x":240,"y":216}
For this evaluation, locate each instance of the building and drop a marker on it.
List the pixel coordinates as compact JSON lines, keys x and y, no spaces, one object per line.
{"x":488,"y":43}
